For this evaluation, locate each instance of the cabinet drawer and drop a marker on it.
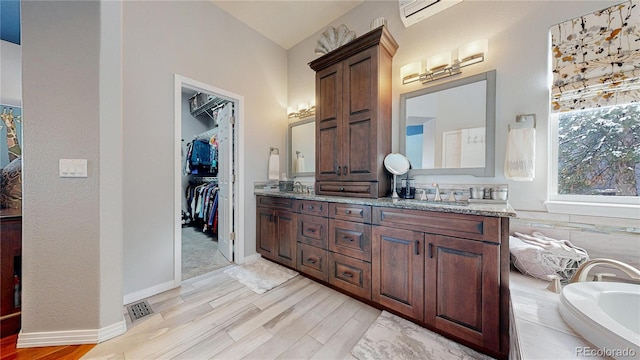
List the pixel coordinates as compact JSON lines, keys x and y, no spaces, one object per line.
{"x":310,"y":207}
{"x":350,"y":212}
{"x":313,"y":261}
{"x":313,"y":230}
{"x":351,"y":239}
{"x":350,"y":274}
{"x":275,"y":202}
{"x":352,"y":189}
{"x":459,"y":225}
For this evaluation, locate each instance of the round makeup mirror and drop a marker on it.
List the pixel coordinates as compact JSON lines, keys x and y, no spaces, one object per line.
{"x":396,"y":164}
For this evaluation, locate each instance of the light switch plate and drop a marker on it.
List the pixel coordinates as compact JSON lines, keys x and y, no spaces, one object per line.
{"x":73,"y":168}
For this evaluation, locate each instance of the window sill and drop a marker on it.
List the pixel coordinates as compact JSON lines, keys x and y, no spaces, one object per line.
{"x":625,"y":211}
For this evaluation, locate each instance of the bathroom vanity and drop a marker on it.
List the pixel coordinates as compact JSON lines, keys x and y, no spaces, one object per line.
{"x":443,"y":266}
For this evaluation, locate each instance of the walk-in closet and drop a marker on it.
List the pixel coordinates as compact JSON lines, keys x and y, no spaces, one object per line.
{"x":202,"y":115}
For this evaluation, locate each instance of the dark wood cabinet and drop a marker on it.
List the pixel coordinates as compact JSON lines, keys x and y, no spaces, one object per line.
{"x":398,"y":270}
{"x":462,"y":283}
{"x":462,"y":289}
{"x":352,"y":275}
{"x":445,"y":271}
{"x":353,"y":116}
{"x":276,"y":232}
{"x":313,"y":261}
{"x":11,"y":274}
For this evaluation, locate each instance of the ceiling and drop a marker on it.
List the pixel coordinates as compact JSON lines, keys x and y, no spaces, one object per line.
{"x":287,"y":22}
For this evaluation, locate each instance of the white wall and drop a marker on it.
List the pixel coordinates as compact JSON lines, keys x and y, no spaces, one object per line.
{"x":197,"y":40}
{"x":72,"y":241}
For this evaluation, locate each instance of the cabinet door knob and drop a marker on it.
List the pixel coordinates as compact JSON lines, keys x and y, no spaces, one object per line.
{"x":341,"y":189}
{"x":338,"y":170}
{"x":345,"y":170}
{"x":347,"y":212}
{"x":310,"y":208}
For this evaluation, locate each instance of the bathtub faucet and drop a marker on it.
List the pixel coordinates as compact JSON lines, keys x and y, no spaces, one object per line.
{"x":583,"y":270}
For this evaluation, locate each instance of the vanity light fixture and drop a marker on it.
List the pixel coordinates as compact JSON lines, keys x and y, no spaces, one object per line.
{"x":442,"y":65}
{"x":304,"y":110}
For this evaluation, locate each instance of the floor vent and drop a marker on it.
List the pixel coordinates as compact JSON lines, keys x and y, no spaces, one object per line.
{"x":139,"y":310}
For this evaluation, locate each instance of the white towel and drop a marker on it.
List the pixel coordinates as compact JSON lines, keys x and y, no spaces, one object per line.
{"x":520,"y":157}
{"x":274,"y":167}
{"x":301,"y":164}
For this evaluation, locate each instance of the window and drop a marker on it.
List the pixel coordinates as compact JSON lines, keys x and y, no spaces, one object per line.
{"x":595,"y":119}
{"x":598,"y":151}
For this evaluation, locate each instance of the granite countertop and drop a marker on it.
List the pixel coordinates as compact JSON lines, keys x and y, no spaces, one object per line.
{"x":494,"y":210}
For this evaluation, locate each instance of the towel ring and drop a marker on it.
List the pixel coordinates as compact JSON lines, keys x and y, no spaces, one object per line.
{"x":274,"y":151}
{"x":524,"y":121}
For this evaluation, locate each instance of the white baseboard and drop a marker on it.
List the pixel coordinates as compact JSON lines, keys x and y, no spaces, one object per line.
{"x":71,"y":337}
{"x":251,"y":258}
{"x":145,"y":293}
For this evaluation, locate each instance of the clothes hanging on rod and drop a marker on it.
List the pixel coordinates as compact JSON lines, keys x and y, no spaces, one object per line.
{"x":202,"y":205}
{"x":202,"y":157}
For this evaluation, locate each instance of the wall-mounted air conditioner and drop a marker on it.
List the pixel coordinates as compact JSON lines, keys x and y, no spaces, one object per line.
{"x":412,"y":11}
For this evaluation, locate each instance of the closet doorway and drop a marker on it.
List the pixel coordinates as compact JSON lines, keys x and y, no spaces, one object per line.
{"x":206,"y":196}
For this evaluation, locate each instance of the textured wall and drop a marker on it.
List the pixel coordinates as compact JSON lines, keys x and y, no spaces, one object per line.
{"x":61,"y":238}
{"x":197,"y":40}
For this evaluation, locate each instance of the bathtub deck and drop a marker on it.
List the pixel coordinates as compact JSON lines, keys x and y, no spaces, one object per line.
{"x":541,"y":331}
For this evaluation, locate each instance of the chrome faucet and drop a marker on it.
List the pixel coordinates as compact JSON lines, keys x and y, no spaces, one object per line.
{"x":297,"y":187}
{"x":583,"y":270}
{"x":437,"y":198}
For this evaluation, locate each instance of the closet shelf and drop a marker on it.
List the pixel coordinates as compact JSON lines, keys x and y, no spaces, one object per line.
{"x":209,"y":105}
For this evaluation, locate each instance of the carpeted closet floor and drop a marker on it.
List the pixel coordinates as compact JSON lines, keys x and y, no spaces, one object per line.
{"x":200,"y":253}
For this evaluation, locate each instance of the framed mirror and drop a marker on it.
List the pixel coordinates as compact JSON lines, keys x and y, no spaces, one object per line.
{"x":301,"y":154}
{"x":449,"y":128}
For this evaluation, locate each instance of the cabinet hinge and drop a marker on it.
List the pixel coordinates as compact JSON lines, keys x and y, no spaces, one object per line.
{"x":232,"y":120}
{"x":233,"y":178}
{"x":232,"y":236}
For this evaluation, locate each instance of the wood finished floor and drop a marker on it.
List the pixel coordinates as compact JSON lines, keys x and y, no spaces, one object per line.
{"x":214,"y":316}
{"x":8,"y":351}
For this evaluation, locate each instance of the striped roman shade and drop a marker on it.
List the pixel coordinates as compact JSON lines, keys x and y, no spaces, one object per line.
{"x":596,"y":59}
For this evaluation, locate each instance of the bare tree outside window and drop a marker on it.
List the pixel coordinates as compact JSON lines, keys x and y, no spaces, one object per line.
{"x":599,"y":151}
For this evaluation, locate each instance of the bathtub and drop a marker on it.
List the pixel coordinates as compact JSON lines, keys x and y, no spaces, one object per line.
{"x":607,"y":314}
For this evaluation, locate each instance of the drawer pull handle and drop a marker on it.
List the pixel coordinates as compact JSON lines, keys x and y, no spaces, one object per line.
{"x":431,"y":250}
{"x":416,"y":245}
{"x":338,"y":170}
{"x":348,"y":238}
{"x":345,"y":170}
{"x":347,"y":212}
{"x":311,"y":230}
{"x":312,"y":260}
{"x":347,"y":274}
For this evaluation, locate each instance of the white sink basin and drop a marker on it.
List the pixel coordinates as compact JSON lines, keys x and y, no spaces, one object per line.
{"x":607,"y":314}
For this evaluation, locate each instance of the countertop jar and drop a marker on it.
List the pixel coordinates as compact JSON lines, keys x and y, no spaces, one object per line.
{"x":499,"y":193}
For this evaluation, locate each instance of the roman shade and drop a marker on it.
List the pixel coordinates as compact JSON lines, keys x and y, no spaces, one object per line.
{"x":596,"y":59}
